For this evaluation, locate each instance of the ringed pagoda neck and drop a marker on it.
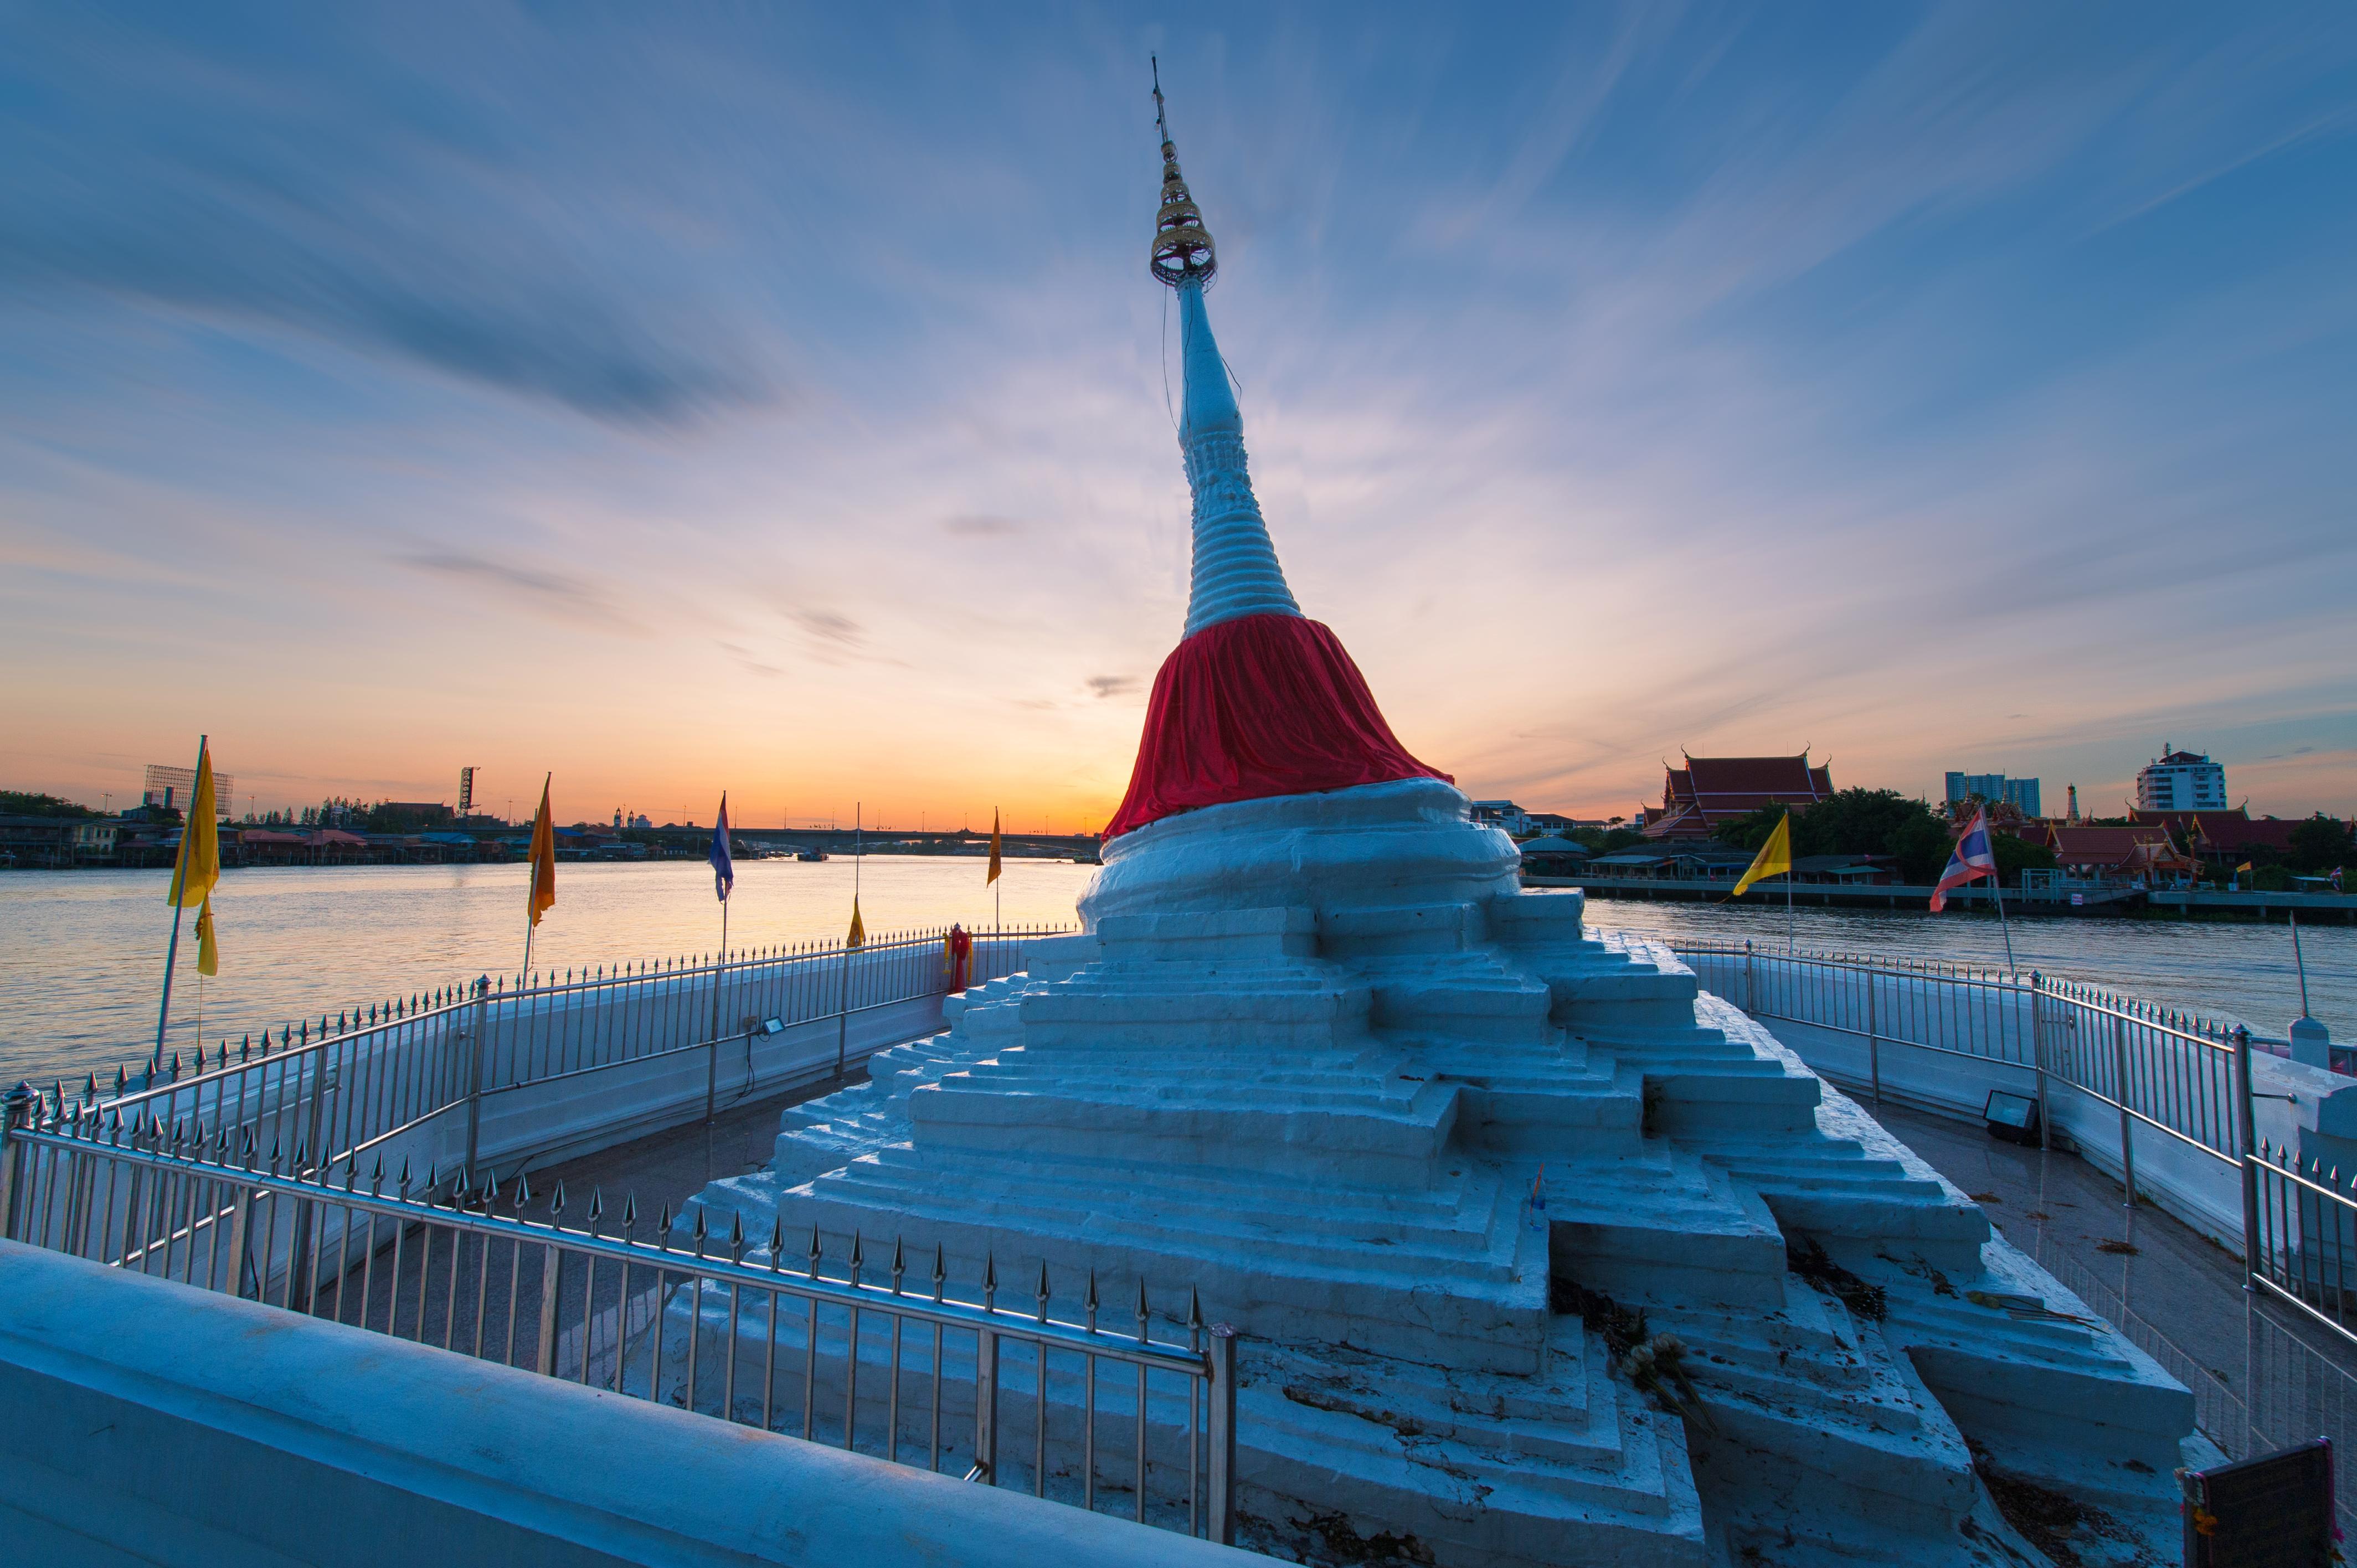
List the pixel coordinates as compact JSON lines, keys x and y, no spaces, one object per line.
{"x":1235,"y":570}
{"x":1236,"y":567}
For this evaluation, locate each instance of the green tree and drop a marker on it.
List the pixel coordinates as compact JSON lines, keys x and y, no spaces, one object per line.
{"x":1848,"y":821}
{"x":24,"y":803}
{"x":2015,"y":856}
{"x":1880,"y":823}
{"x":2321,"y":843}
{"x":1923,"y":846}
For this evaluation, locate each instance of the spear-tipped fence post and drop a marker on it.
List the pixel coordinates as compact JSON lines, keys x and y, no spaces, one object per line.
{"x":16,"y":1119}
{"x":2247,"y":1136}
{"x":477,"y":1039}
{"x":2038,"y":1054}
{"x":550,"y":1257}
{"x":1219,"y":1363}
{"x":985,"y":1389}
{"x":2127,"y":1128}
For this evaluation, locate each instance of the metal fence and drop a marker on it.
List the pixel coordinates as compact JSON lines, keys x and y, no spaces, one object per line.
{"x":2162,"y":1068}
{"x":2287,"y":1391}
{"x":2183,"y":1077}
{"x":2186,"y":1078}
{"x":1109,"y":1413}
{"x":373,"y":1072}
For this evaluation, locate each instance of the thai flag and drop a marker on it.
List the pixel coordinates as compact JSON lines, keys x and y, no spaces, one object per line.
{"x":724,"y":870}
{"x":1972,"y":859}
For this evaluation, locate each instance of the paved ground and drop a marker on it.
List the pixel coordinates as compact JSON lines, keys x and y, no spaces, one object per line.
{"x":2265,"y":1376}
{"x":670,"y":1167}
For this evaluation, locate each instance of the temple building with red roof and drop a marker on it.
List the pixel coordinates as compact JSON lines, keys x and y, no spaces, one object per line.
{"x":1711,"y":791}
{"x":2124,"y":852}
{"x":2219,"y":836}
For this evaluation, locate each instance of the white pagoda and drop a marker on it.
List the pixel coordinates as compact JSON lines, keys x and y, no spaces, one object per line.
{"x":1537,"y":1253}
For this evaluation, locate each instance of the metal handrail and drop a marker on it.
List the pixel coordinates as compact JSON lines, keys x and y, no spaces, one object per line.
{"x":2155,"y":1066}
{"x":186,"y":1210}
{"x":356,"y":1084}
{"x":2159,"y":1068}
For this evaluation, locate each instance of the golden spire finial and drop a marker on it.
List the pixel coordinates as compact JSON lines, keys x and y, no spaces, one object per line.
{"x":1182,"y":246}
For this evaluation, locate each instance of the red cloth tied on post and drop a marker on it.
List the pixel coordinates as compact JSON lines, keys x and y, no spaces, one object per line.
{"x":1261,"y":705}
{"x":957,"y":951}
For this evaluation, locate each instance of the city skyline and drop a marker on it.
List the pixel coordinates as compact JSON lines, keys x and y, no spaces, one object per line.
{"x":682,"y":407}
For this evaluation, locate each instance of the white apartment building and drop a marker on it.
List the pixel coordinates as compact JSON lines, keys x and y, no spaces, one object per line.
{"x":2181,"y":781}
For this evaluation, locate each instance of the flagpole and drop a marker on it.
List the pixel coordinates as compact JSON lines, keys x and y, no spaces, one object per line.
{"x":2298,"y":957}
{"x":719,"y":852}
{"x":1996,"y":886}
{"x":172,"y":953}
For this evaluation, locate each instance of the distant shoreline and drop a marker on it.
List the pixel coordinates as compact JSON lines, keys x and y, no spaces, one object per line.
{"x":2171,"y":907}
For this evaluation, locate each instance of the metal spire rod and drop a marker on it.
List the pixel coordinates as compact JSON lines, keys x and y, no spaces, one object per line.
{"x":1182,"y":251}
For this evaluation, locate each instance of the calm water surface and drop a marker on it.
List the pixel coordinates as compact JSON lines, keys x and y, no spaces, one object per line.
{"x":82,"y":953}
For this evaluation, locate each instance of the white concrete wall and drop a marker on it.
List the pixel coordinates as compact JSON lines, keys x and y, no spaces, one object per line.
{"x":145,"y":1423}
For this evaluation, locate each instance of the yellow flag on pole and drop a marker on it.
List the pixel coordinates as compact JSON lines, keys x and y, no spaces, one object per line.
{"x":544,"y":857}
{"x":858,"y":933}
{"x":997,"y":843}
{"x":198,"y":870}
{"x":207,"y":952}
{"x":1775,"y":857}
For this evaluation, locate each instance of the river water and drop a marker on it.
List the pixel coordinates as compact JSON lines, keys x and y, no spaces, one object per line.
{"x":82,"y":953}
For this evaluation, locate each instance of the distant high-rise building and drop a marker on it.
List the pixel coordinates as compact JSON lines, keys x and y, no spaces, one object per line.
{"x":168,"y":786}
{"x":2181,"y":781}
{"x":2021,"y":794}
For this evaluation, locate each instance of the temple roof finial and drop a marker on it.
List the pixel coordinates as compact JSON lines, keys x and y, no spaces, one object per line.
{"x":1182,"y":246}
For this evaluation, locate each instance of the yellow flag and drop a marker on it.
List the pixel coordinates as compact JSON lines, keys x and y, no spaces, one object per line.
{"x":1775,"y":857}
{"x":858,"y":933}
{"x":544,"y":857}
{"x":996,"y":845}
{"x":207,"y":953}
{"x":198,"y":867}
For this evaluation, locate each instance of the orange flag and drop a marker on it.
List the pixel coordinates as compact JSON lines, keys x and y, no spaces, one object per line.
{"x":997,"y":843}
{"x":544,"y":857}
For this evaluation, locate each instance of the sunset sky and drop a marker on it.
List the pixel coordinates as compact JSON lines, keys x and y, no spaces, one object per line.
{"x":675,"y":402}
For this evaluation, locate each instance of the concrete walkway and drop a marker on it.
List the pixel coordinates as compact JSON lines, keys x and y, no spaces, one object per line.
{"x":673,"y":1166}
{"x":2265,"y":1376}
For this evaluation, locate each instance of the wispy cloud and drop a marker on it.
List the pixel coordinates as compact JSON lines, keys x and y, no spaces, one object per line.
{"x":377,"y":210}
{"x":1949,"y":388}
{"x":558,"y":594}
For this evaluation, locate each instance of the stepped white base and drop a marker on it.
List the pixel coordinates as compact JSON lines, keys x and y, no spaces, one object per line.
{"x":1310,"y":1062}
